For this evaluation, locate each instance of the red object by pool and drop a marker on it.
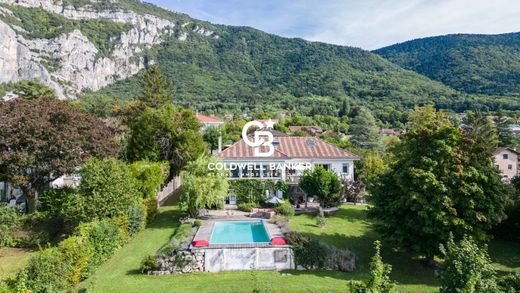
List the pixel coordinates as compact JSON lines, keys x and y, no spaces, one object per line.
{"x":277,"y":241}
{"x":200,"y":243}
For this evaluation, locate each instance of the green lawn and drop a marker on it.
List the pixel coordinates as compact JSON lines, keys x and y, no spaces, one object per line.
{"x":348,"y":228}
{"x":12,"y":259}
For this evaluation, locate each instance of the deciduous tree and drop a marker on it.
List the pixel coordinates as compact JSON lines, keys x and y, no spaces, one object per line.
{"x":322,"y":183}
{"x":438,"y":184}
{"x":44,"y":138}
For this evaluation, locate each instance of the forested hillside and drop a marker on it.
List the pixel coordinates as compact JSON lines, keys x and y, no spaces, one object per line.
{"x":482,"y":64}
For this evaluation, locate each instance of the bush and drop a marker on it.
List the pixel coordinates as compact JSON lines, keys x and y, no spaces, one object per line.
{"x":62,"y":207}
{"x":197,"y":223}
{"x":251,"y":190}
{"x":283,"y":187}
{"x":104,"y":237}
{"x":311,"y":253}
{"x":246,"y":206}
{"x":285,"y":209}
{"x":151,"y":208}
{"x":467,"y":267}
{"x":10,"y":221}
{"x":149,"y":263}
{"x":108,"y":189}
{"x":509,"y":283}
{"x":321,"y":221}
{"x":136,"y":219}
{"x":150,"y":176}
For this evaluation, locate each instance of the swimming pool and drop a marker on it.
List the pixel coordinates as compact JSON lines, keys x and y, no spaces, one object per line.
{"x":228,"y":232}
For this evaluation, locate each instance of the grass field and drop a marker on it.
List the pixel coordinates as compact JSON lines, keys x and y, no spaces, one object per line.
{"x":13,"y":259}
{"x":348,"y":228}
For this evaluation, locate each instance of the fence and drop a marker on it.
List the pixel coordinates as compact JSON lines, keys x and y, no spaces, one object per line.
{"x":168,"y":190}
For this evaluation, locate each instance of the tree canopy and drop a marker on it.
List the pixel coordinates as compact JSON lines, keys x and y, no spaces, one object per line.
{"x":44,"y":138}
{"x":439,"y":183}
{"x":322,"y":183}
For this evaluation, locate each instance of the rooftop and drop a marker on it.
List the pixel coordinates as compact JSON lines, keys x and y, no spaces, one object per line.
{"x":208,"y":119}
{"x":290,"y":147}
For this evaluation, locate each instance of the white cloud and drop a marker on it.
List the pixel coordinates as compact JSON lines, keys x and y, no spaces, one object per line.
{"x":369,"y":24}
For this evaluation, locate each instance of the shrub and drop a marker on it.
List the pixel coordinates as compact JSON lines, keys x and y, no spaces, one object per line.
{"x":108,"y":189}
{"x":285,"y":209}
{"x":467,"y":267}
{"x":45,"y":272}
{"x":10,"y":221}
{"x":136,"y":219}
{"x":311,"y":253}
{"x":77,"y":254}
{"x":149,"y":263}
{"x":150,"y":176}
{"x":151,"y":208}
{"x":282,"y":186}
{"x":251,"y":190}
{"x":509,"y":283}
{"x":379,"y":280}
{"x":246,"y":206}
{"x":197,"y":223}
{"x":104,"y":237}
{"x":63,"y":207}
{"x":321,"y":221}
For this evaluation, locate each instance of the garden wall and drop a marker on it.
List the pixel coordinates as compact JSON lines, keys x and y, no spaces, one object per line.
{"x":240,"y":259}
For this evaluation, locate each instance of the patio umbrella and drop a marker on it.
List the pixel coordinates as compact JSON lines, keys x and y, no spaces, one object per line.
{"x":275,"y":200}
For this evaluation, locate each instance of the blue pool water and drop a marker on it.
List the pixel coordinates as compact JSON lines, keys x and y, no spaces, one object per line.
{"x":239,"y":232}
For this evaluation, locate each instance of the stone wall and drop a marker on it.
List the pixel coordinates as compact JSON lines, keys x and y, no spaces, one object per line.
{"x":243,"y":259}
{"x":181,"y":263}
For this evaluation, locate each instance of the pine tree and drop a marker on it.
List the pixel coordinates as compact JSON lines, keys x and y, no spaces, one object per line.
{"x":345,"y":108}
{"x":365,"y":133}
{"x":505,"y":135}
{"x":480,"y":130}
{"x":155,"y":88}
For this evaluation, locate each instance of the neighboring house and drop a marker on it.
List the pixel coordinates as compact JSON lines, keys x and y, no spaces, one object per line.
{"x":391,"y":132}
{"x":515,"y":129}
{"x":506,"y":161}
{"x":9,"y":192}
{"x":309,"y":129}
{"x":208,"y":121}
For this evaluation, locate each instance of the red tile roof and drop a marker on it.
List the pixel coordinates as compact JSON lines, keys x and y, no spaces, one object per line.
{"x":208,"y":119}
{"x":290,"y":147}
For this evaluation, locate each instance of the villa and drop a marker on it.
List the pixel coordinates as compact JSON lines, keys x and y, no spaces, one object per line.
{"x":292,"y":156}
{"x":208,"y":121}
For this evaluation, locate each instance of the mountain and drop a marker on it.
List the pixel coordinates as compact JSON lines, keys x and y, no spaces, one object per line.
{"x":85,"y":46}
{"x":476,"y":64}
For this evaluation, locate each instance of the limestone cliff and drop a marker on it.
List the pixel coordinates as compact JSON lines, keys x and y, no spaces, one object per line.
{"x":78,"y":64}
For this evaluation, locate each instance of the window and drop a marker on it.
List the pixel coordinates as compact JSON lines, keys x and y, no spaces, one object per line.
{"x":345,"y":168}
{"x":505,"y":156}
{"x":324,"y":166}
{"x":510,"y":167}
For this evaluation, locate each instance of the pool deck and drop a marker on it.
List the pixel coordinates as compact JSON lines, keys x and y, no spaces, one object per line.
{"x":204,"y":232}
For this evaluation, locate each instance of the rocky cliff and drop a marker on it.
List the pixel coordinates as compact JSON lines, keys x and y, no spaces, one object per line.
{"x":77,"y":64}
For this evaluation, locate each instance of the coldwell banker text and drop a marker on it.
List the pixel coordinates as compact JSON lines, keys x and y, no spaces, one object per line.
{"x":259,"y":166}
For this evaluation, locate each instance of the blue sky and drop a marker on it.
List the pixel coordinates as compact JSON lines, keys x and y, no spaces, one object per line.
{"x":368,"y":24}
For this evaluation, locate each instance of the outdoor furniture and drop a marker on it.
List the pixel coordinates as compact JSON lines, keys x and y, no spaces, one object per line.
{"x":329,"y":211}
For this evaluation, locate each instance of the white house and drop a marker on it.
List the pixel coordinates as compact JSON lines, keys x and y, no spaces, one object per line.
{"x":292,"y":156}
{"x":208,"y":121}
{"x":506,"y":161}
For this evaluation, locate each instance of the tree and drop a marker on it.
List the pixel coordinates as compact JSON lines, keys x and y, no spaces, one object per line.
{"x":505,"y":135}
{"x":202,"y":187}
{"x":352,"y":190}
{"x":155,"y":89}
{"x":211,"y":135}
{"x":45,"y":138}
{"x":371,"y":166}
{"x":166,"y":134}
{"x":480,"y":129}
{"x":365,"y":133}
{"x":379,"y":281}
{"x":345,"y":108}
{"x":322,"y":183}
{"x":107,"y":189}
{"x":150,"y":176}
{"x":33,"y":89}
{"x":466,"y":268}
{"x":437,"y":184}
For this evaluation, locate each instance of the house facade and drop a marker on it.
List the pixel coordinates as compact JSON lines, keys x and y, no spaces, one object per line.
{"x":291,"y":157}
{"x":208,"y":121}
{"x":506,"y":161}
